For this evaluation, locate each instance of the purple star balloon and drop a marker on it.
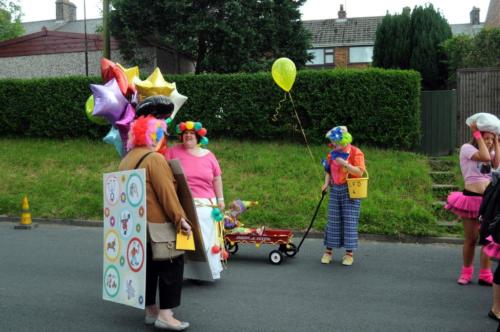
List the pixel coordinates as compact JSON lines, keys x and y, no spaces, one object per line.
{"x":109,"y":102}
{"x":123,"y":125}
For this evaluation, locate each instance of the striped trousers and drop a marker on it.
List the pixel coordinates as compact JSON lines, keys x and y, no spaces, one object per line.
{"x":343,"y":216}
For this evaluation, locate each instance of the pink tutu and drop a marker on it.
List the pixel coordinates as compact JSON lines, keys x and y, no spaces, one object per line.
{"x":492,"y":249}
{"x":466,"y":207}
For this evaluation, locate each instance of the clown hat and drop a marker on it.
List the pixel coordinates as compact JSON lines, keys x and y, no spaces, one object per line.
{"x":339,"y":135}
{"x":197,"y":127}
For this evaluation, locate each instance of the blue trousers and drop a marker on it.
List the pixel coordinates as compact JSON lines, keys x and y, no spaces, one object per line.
{"x":343,"y":217}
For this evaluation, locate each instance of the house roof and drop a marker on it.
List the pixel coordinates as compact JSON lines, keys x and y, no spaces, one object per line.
{"x":343,"y":32}
{"x":466,"y":28}
{"x":63,"y":26}
{"x":50,"y":42}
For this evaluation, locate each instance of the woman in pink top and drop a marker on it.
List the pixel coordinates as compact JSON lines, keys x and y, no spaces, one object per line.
{"x":204,"y":178}
{"x":477,"y":159}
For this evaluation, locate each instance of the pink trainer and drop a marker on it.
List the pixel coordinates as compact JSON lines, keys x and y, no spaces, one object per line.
{"x":485,"y":277}
{"x":466,"y":275}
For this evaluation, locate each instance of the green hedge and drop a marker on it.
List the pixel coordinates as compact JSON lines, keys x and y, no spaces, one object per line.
{"x":380,"y":107}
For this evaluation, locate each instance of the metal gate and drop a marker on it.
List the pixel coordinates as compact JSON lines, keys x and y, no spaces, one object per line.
{"x":439,"y":119}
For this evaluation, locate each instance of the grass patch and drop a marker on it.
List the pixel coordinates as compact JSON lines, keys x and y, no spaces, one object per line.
{"x":63,"y":179}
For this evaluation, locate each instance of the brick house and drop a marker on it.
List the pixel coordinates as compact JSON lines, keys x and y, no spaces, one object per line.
{"x":58,"y":47}
{"x":493,"y":16}
{"x":348,"y":42}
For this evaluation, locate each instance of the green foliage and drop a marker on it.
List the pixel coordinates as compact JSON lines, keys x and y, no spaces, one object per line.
{"x":63,"y":179}
{"x":380,"y":107}
{"x":482,"y":50}
{"x":414,"y":42}
{"x":223,"y":36}
{"x":10,"y":20}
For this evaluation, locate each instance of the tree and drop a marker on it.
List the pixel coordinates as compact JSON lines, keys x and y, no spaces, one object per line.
{"x":222,"y":35}
{"x":413,"y":41}
{"x":482,"y":50}
{"x":10,"y":20}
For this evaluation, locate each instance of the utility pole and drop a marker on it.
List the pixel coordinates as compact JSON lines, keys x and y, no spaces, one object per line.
{"x":86,"y":45}
{"x":105,"y":23}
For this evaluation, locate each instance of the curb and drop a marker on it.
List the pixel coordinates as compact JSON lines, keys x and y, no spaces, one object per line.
{"x":314,"y":234}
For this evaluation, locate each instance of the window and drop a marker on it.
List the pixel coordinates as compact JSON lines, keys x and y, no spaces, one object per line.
{"x":321,"y":56}
{"x":318,"y":56}
{"x":360,"y":54}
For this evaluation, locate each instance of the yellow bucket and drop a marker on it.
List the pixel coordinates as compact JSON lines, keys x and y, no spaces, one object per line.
{"x":358,"y":187}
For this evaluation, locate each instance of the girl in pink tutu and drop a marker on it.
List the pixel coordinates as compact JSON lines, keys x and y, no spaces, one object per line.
{"x":477,"y":160}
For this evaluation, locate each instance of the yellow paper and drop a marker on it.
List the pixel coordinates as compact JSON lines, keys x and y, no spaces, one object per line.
{"x":184,"y":242}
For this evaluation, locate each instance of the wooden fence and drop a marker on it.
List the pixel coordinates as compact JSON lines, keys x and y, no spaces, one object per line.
{"x":478,"y":91}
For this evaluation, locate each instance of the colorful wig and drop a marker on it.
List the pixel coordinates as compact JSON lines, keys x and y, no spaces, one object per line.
{"x":146,"y":131}
{"x":339,"y":135}
{"x":197,"y":127}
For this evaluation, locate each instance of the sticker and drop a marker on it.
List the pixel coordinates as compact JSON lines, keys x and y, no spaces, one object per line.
{"x":134,"y":190}
{"x":135,"y":254}
{"x":111,"y":281}
{"x":112,"y":245}
{"x":126,"y":224}
{"x":141,"y":211}
{"x":112,"y":221}
{"x":111,"y":190}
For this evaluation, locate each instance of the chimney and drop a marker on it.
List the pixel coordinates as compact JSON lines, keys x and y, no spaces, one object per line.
{"x":65,"y":10}
{"x":342,"y":12}
{"x":474,"y":16}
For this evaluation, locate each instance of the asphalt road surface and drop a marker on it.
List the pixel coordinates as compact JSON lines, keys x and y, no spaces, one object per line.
{"x":50,"y":280}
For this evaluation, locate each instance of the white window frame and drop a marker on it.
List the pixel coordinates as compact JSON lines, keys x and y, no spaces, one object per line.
{"x":358,"y":58}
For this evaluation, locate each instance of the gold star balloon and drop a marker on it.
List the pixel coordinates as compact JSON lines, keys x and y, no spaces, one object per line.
{"x":131,"y":72}
{"x":154,"y":85}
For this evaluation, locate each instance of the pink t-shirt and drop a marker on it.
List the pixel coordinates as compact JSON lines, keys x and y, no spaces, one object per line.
{"x":199,"y":171}
{"x":471,"y":169}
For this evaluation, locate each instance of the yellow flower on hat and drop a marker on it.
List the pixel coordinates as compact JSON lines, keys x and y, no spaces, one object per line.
{"x":154,"y":85}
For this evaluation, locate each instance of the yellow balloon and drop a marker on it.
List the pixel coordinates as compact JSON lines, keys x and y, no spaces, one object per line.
{"x":130,"y":72}
{"x":154,"y":85}
{"x":89,"y":109}
{"x":284,"y":73}
{"x":189,"y":125}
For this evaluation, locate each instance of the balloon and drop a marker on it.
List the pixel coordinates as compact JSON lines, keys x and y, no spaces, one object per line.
{"x":123,"y":125}
{"x":130,"y":73}
{"x":109,"y":102}
{"x":178,"y":101}
{"x":284,"y":73}
{"x":113,"y":137}
{"x":189,"y":125}
{"x":89,"y":108}
{"x":110,"y":70}
{"x":160,"y":107}
{"x":155,"y":84}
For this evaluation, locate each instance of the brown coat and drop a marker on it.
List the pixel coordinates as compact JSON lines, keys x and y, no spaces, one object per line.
{"x":162,"y":202}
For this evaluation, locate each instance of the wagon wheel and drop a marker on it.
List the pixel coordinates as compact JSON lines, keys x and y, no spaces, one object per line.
{"x":275,"y":257}
{"x":232,"y":248}
{"x":290,"y":249}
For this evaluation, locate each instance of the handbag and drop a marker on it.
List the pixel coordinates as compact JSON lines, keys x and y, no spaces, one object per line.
{"x":163,"y":239}
{"x":162,"y":235}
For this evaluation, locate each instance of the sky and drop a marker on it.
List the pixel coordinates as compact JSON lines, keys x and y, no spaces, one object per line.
{"x":455,"y":11}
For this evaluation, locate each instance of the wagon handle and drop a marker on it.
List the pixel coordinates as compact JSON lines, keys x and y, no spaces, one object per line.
{"x":323,"y":193}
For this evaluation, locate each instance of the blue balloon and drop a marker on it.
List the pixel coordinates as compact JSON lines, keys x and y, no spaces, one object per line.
{"x":113,"y":137}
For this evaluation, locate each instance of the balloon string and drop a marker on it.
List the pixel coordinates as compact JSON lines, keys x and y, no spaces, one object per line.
{"x":301,"y":128}
{"x":277,"y":109}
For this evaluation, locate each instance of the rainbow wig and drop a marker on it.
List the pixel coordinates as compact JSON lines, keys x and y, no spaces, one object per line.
{"x":339,"y":136}
{"x":146,"y":131}
{"x":197,"y":127}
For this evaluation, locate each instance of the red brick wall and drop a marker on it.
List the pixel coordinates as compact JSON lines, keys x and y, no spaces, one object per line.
{"x":342,"y":59}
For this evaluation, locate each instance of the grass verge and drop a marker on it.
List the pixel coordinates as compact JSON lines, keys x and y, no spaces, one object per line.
{"x":63,"y":180}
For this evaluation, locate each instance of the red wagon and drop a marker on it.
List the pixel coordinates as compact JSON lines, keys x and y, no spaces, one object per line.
{"x":280,"y":237}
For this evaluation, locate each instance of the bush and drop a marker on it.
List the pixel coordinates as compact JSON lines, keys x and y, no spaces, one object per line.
{"x":380,"y":107}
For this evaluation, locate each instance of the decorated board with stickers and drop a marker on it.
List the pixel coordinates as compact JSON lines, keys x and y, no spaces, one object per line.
{"x":124,"y":263}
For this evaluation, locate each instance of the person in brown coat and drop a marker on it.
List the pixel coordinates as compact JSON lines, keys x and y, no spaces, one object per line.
{"x":146,"y":136}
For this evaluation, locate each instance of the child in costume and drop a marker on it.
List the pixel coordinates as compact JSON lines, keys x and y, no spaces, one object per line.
{"x":477,"y":159}
{"x":343,"y":212}
{"x":231,"y":217}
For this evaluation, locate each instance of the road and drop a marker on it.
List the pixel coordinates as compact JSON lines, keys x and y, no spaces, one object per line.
{"x":50,"y":280}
